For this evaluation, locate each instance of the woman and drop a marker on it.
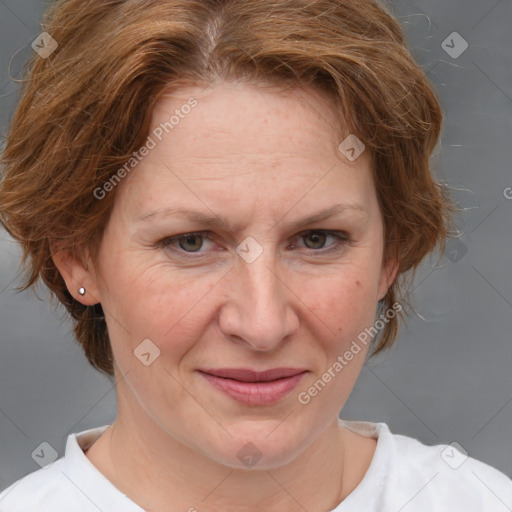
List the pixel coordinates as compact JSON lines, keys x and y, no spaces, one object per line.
{"x":225,"y":195}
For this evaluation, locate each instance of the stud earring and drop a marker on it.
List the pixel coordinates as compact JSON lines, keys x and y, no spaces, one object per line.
{"x":81,"y":291}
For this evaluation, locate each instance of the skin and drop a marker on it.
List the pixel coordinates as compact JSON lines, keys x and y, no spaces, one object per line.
{"x":264,"y":159}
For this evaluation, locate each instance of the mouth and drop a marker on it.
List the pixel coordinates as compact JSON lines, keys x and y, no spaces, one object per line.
{"x":252,"y":387}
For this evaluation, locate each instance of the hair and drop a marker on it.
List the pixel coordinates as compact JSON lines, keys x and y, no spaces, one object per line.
{"x":87,"y":107}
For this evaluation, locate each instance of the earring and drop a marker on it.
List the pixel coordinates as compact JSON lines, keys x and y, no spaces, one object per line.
{"x":81,"y":291}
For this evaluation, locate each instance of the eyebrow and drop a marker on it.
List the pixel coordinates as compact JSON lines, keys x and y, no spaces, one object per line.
{"x":212,"y":220}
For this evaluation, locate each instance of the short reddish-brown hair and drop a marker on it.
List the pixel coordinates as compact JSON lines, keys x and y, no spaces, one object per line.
{"x":86,"y":107}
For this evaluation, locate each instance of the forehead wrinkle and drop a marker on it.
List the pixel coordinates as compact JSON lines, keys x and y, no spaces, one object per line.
{"x":213,"y":220}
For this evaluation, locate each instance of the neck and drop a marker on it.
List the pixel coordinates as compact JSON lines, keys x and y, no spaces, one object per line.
{"x":153,"y":469}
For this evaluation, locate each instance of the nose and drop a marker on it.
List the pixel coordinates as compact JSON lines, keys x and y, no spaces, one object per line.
{"x":259,"y":310}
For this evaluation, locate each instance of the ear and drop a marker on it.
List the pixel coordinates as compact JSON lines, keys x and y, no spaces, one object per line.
{"x":388,"y":275}
{"x":77,"y":273}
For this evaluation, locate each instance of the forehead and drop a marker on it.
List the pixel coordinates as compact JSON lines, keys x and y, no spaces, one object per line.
{"x":244,"y":143}
{"x":248,"y":118}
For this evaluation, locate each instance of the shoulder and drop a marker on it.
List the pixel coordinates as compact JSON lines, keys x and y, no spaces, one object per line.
{"x":446,"y":477}
{"x":406,"y":474}
{"x":47,"y":489}
{"x":71,"y":483}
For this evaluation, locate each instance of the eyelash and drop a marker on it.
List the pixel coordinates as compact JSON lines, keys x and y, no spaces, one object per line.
{"x":341,"y":237}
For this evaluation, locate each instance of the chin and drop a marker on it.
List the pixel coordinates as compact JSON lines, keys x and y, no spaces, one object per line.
{"x":255,"y":448}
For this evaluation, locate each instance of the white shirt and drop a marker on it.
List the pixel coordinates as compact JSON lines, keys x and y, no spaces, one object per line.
{"x":405,"y":475}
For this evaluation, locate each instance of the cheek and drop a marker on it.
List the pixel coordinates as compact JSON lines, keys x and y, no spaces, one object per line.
{"x":344,"y":301}
{"x":153,"y":302}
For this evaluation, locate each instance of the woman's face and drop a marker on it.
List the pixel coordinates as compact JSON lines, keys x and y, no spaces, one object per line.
{"x":257,"y":286}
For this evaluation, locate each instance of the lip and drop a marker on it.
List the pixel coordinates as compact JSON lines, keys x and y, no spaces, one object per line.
{"x":252,"y":387}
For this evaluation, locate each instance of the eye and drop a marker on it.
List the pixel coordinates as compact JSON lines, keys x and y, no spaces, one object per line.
{"x":193,"y":241}
{"x":187,"y":242}
{"x":316,"y":240}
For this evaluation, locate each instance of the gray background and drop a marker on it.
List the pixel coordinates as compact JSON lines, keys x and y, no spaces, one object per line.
{"x":449,"y":377}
